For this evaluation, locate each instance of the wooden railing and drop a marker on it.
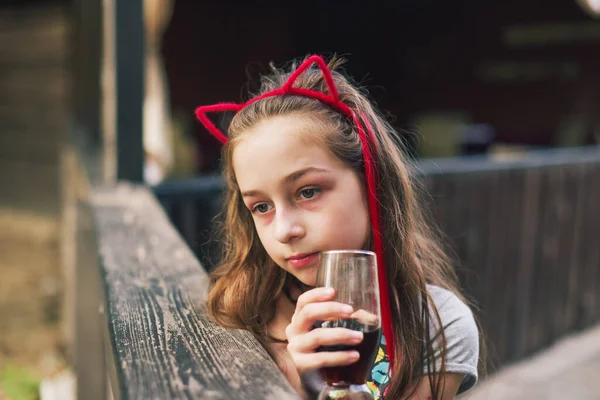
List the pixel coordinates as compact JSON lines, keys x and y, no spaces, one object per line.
{"x":163,"y":343}
{"x":526,"y":234}
{"x":142,"y":330}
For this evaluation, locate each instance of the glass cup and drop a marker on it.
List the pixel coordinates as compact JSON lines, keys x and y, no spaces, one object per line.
{"x":353,"y":275}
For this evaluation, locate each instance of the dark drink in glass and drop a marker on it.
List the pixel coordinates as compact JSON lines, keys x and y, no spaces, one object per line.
{"x":353,"y":275}
{"x":357,"y":373}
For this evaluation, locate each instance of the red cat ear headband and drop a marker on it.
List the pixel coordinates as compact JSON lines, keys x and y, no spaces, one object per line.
{"x":371,"y":172}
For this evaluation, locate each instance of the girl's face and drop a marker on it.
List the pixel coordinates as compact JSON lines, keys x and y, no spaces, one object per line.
{"x":302,"y":198}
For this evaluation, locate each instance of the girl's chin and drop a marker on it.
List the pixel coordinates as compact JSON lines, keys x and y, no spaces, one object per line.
{"x":308,"y":285}
{"x":307,"y":280}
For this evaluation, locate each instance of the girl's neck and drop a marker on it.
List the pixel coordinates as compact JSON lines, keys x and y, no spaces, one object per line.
{"x":284,"y":311}
{"x":294,"y":288}
{"x":285,"y":306}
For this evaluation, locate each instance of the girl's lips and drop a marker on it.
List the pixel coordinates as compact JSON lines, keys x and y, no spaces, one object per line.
{"x":303,"y":260}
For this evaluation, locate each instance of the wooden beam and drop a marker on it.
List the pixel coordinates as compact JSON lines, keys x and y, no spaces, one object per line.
{"x":87,"y":45}
{"x":129,"y":44}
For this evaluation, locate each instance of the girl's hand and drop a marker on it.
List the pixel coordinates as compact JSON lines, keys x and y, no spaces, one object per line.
{"x":303,"y":341}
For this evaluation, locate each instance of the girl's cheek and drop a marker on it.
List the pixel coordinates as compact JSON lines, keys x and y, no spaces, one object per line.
{"x":318,"y":203}
{"x":262,"y":219}
{"x":262,"y":230}
{"x":311,"y":206}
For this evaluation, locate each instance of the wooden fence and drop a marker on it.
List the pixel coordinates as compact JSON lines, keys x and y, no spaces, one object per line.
{"x":526,"y":234}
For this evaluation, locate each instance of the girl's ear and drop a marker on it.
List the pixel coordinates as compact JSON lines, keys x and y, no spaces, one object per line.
{"x":208,"y":124}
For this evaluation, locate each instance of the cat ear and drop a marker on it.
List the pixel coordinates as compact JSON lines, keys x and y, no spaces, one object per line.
{"x":331,"y":97}
{"x":208,"y":124}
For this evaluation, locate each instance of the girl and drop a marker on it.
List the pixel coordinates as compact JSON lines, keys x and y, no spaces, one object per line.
{"x":312,"y":166}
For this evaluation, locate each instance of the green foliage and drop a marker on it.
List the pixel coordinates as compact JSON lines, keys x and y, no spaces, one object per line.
{"x":19,"y":383}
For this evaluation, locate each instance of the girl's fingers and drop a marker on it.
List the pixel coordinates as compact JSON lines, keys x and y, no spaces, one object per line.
{"x":324,"y":337}
{"x":312,"y":306}
{"x":303,"y":320}
{"x":308,"y":361}
{"x":314,"y":295}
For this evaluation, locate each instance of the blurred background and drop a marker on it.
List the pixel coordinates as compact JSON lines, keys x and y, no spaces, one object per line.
{"x":472,"y":86}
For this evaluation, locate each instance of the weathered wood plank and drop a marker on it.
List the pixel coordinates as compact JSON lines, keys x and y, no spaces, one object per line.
{"x":29,"y":185}
{"x":29,"y":117}
{"x":38,"y":18}
{"x":130,"y":50}
{"x":589,"y":301}
{"x":90,"y":346}
{"x":35,"y":149}
{"x":162,"y":340}
{"x":39,"y":86}
{"x":33,"y":37}
{"x":34,"y":42}
{"x":529,"y":193}
{"x":15,"y":138}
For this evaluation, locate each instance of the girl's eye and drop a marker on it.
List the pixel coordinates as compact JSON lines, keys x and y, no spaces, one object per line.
{"x":261,"y":208}
{"x":309,"y":193}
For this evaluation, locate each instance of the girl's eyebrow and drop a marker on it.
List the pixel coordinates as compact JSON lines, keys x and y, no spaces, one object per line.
{"x":294,"y":176}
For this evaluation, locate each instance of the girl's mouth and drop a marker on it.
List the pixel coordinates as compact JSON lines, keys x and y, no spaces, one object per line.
{"x":302,"y":260}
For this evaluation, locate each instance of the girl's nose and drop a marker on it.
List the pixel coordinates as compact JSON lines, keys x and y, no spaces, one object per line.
{"x":288,"y":226}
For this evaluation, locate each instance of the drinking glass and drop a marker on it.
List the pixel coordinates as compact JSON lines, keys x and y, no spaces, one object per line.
{"x":353,"y":275}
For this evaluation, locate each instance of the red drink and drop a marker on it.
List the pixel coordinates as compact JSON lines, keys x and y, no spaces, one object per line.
{"x":357,"y":373}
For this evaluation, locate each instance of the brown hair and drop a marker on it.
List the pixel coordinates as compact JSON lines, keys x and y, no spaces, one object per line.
{"x":247,"y":282}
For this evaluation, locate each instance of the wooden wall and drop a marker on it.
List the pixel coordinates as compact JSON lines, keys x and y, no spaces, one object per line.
{"x":33,"y":105}
{"x":34,"y":50}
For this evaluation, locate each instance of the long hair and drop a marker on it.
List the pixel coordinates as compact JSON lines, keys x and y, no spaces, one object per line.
{"x":246,"y":283}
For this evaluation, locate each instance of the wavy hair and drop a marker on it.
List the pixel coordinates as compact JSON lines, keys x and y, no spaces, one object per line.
{"x":246,"y":283}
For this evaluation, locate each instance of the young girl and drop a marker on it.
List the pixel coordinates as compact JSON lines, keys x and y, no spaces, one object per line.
{"x":312,"y":166}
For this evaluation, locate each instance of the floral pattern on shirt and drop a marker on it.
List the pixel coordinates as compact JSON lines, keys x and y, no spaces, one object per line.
{"x":379,"y":380}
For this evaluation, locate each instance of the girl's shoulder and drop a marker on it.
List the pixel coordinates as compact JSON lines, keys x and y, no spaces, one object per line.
{"x":448,"y":302}
{"x":460,"y":331}
{"x":462,"y":343}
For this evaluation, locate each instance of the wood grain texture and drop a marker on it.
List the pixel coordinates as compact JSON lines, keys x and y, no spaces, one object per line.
{"x":31,"y":119}
{"x":528,"y":243}
{"x":18,"y":146}
{"x":29,"y":185}
{"x":90,"y":347}
{"x":34,"y":82}
{"x":163,"y":343}
{"x":37,"y":85}
{"x":26,"y":40}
